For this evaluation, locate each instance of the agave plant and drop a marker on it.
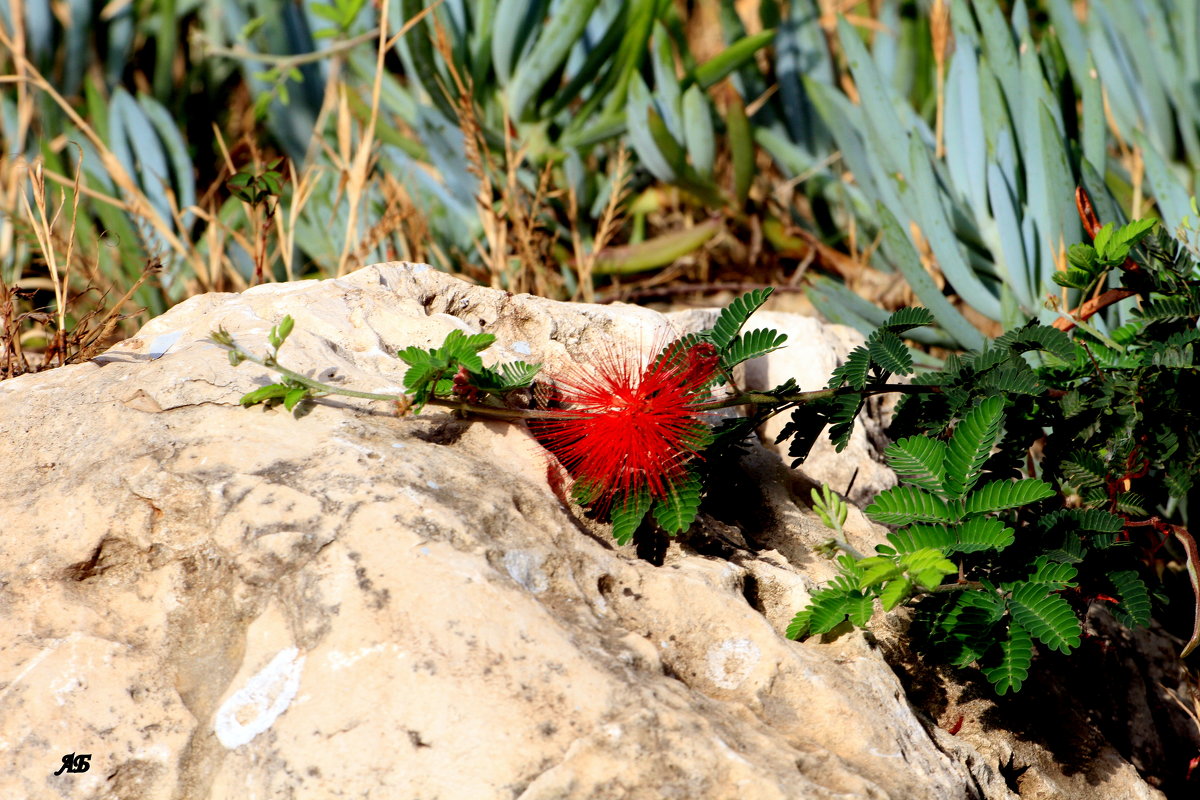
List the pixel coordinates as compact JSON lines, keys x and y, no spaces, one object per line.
{"x":987,"y":196}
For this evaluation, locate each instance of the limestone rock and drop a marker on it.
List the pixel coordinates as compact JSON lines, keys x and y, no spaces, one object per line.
{"x":217,"y":602}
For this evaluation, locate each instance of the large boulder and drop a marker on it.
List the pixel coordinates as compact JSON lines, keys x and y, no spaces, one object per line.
{"x":216,"y":602}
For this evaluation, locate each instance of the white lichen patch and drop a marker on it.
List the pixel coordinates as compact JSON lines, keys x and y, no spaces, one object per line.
{"x":732,"y":661}
{"x":525,"y":568}
{"x":254,"y":708}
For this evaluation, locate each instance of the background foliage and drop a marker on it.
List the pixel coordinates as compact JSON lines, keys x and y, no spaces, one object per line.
{"x":597,"y":149}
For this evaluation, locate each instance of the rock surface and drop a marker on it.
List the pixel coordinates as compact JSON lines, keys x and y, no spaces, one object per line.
{"x":217,"y":602}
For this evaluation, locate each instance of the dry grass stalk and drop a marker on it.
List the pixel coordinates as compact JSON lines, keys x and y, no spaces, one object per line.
{"x":606,"y":230}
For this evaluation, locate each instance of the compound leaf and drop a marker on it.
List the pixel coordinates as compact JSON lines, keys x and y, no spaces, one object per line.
{"x":1134,"y":610}
{"x":889,"y":352}
{"x":854,"y":370}
{"x":895,"y":593}
{"x":627,"y":516}
{"x":905,"y":319}
{"x":734,"y":316}
{"x":918,"y":460}
{"x":751,"y":345}
{"x":982,"y":533}
{"x":1001,"y":495}
{"x":919,"y":536}
{"x":971,"y":443}
{"x":676,"y":512}
{"x":1048,"y":617}
{"x":1036,"y":336}
{"x":901,"y":505}
{"x":1016,"y":654}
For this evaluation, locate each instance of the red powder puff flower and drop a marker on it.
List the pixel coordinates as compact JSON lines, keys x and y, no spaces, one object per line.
{"x":622,"y":430}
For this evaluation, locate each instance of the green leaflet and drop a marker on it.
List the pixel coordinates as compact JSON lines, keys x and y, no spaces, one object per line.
{"x":627,"y":516}
{"x":853,"y":372}
{"x":676,"y":512}
{"x":1002,"y":495}
{"x":904,"y":504}
{"x":888,"y":351}
{"x":918,"y":460}
{"x":1047,"y":616}
{"x":733,"y":317}
{"x":751,"y":345}
{"x":1016,"y":654}
{"x":969,"y":446}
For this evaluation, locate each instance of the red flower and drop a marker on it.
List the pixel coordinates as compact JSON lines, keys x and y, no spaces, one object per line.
{"x":623,"y":430}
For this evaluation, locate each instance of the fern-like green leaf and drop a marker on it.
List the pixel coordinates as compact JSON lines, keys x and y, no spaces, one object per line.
{"x":853,"y":371}
{"x":1036,"y":336}
{"x":627,"y":516}
{"x":990,"y":357}
{"x":878,"y":569}
{"x":1134,"y":610}
{"x":831,"y":606}
{"x":1084,"y":519}
{"x":464,"y":349}
{"x":842,"y":412}
{"x":966,"y":629}
{"x":918,"y":460}
{"x":1130,"y":503}
{"x":1054,"y":575}
{"x":1165,"y":309}
{"x":919,"y":536}
{"x":1016,"y":654}
{"x":928,"y":566}
{"x":1048,"y":617}
{"x":901,"y":505}
{"x":751,"y":345}
{"x":971,"y":443}
{"x":982,"y":533}
{"x":889,"y":352}
{"x":516,"y":374}
{"x":1012,"y":380}
{"x":799,"y":625}
{"x":415,"y":355}
{"x":1001,"y":495}
{"x":1084,"y":470}
{"x":421,"y":373}
{"x":677,"y":511}
{"x":895,"y":593}
{"x":905,"y":319}
{"x":731,"y":319}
